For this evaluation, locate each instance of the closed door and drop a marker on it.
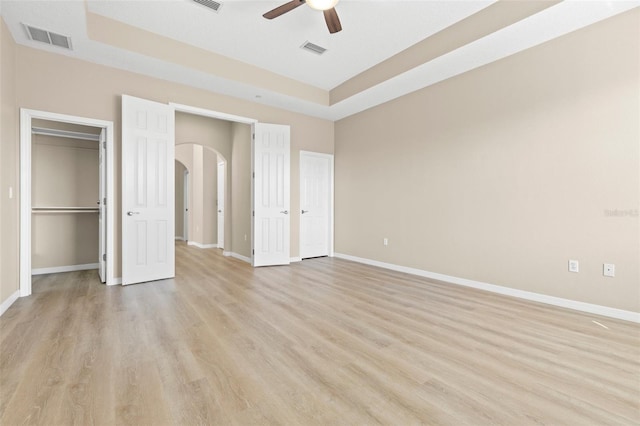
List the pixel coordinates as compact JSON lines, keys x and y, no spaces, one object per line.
{"x":148,"y":133}
{"x":271,"y":202}
{"x":221,"y":180}
{"x":316,"y":175}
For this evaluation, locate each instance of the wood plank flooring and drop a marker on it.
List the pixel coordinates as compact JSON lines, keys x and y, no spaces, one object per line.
{"x":321,"y":342}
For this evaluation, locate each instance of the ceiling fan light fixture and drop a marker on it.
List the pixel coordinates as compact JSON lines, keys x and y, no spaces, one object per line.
{"x":322,"y":4}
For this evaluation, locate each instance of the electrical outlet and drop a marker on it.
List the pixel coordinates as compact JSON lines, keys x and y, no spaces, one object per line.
{"x":609,"y":270}
{"x":385,"y":241}
{"x":574,"y":266}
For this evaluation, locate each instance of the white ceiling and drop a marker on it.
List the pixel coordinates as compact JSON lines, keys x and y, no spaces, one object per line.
{"x":373,"y":31}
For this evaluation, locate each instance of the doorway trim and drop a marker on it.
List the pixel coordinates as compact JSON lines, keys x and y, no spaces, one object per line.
{"x":330,"y":157}
{"x":26,"y":116}
{"x":212,"y":114}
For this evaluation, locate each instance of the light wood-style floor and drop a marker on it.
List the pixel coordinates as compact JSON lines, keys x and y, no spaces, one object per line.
{"x":324,"y":341}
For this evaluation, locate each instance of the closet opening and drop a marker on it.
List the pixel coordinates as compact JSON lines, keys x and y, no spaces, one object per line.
{"x":67,"y":218}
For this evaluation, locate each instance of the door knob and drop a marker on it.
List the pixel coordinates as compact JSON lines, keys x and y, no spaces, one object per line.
{"x":285,"y":211}
{"x":305,"y":211}
{"x":132,"y":213}
{"x":219,"y":211}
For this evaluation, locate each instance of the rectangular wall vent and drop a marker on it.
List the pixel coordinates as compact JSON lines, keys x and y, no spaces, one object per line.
{"x":44,"y":36}
{"x":211,"y":4}
{"x":318,"y":50}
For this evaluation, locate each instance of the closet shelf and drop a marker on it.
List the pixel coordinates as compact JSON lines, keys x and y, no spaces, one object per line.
{"x":65,"y":210}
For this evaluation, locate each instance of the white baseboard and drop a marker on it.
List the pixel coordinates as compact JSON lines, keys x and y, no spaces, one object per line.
{"x":240,"y":257}
{"x":10,"y":300}
{"x":202,"y":246}
{"x":521,"y":294}
{"x":70,"y":268}
{"x":236,"y":256}
{"x":116,"y":281}
{"x":179,"y":238}
{"x":295,"y":259}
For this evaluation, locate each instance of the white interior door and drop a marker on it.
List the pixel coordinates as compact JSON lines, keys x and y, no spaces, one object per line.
{"x":316,"y":174}
{"x":271,"y":201}
{"x":102,"y":207}
{"x":221,"y":182}
{"x":148,"y":153}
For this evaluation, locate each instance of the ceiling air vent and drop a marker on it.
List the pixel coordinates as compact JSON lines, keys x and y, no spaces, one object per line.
{"x":48,"y":37}
{"x":318,"y":50}
{"x":213,"y":5}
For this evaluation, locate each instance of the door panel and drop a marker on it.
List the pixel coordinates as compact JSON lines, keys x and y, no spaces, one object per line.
{"x":315,"y":204}
{"x":271,"y":162}
{"x":148,"y":251}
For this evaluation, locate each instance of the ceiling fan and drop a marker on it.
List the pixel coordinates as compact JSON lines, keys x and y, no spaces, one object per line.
{"x":327,"y":6}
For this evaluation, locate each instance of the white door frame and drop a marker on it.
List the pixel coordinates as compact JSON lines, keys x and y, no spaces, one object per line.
{"x":26,"y":116}
{"x":330,"y":157}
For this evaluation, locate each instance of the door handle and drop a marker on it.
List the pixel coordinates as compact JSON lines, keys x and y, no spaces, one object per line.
{"x":219,"y":211}
{"x":132,"y":213}
{"x":285,"y":212}
{"x":305,"y":211}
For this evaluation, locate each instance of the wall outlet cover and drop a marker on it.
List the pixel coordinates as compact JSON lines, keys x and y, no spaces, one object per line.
{"x":609,"y":270}
{"x":574,"y":266}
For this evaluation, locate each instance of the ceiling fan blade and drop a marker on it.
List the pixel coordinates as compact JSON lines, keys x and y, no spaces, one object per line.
{"x":281,"y":10}
{"x":333,"y":22}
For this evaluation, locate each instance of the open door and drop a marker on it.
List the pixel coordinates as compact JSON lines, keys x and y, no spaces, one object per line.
{"x":271,"y":202}
{"x":148,"y":190}
{"x":102,"y":208}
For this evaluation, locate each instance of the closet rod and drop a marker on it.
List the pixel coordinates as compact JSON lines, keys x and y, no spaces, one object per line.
{"x":65,"y":210}
{"x":64,"y":134}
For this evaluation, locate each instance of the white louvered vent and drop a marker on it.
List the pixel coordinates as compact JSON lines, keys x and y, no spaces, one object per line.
{"x":211,"y":4}
{"x":311,"y":47}
{"x":44,"y":36}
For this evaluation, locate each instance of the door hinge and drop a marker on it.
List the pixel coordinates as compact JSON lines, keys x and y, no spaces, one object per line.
{"x":253,"y":136}
{"x":253,"y":251}
{"x":104,"y":257}
{"x":105,"y":201}
{"x":104,"y":145}
{"x":253,"y":175}
{"x":253,"y":213}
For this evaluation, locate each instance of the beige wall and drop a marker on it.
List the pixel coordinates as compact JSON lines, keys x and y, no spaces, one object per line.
{"x":196,"y":189}
{"x":241,"y":189}
{"x":65,"y":173}
{"x":76,"y":87}
{"x":9,"y":178}
{"x":179,"y":213}
{"x":503,"y":174}
{"x":210,"y":197}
